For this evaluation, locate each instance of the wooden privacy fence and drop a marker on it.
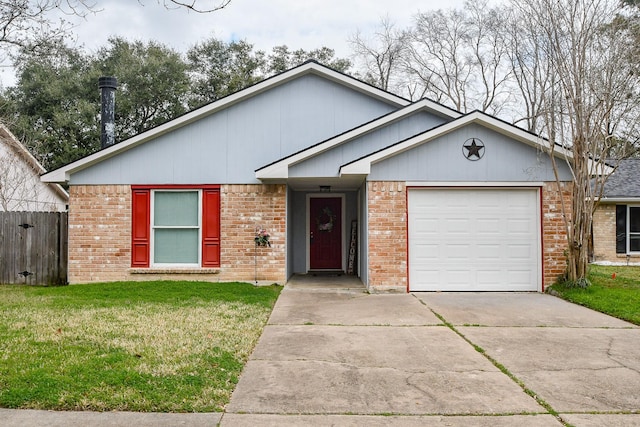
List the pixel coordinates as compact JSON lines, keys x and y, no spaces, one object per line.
{"x":33,"y":248}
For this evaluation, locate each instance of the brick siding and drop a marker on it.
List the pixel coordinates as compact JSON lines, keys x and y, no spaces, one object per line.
{"x":99,"y":233}
{"x":387,"y":231}
{"x":604,"y":233}
{"x":100,"y":236}
{"x":243,"y":208}
{"x":554,"y":238}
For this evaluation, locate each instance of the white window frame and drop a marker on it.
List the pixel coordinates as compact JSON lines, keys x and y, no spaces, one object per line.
{"x":153,"y":228}
{"x":628,"y":231}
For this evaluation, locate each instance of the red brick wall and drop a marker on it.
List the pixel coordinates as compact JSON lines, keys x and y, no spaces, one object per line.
{"x":388,"y":246}
{"x":554,"y":237}
{"x":99,"y":233}
{"x":245,"y":207}
{"x":100,"y":236}
{"x":387,"y":234}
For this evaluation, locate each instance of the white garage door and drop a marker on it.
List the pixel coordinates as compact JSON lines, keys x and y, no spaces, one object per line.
{"x":474,"y":240}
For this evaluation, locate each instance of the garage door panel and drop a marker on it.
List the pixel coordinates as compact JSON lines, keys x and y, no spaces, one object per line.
{"x":458,"y":277}
{"x":488,"y":225}
{"x":488,"y":252}
{"x":521,"y":252}
{"x":474,"y":239}
{"x":519,"y":225}
{"x":426,"y":252}
{"x":457,"y":225}
{"x":426,"y":225}
{"x":457,"y":252}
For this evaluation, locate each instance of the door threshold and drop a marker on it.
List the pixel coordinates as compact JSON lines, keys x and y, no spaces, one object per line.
{"x":326,"y":272}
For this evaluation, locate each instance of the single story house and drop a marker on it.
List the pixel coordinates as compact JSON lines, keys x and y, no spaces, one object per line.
{"x":21,"y":189}
{"x":343,"y":176}
{"x":616,"y":221}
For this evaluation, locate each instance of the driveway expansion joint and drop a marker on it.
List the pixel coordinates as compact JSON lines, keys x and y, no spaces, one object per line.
{"x":501,"y":367}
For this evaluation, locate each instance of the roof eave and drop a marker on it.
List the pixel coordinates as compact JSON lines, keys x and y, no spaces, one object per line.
{"x":626,"y":199}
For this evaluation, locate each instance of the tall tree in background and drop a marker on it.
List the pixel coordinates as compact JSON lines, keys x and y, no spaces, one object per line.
{"x":531,"y":74}
{"x":281,"y":59}
{"x":218,"y":69}
{"x":54,"y":108}
{"x":379,"y":57}
{"x":458,"y":57}
{"x":590,"y":104}
{"x":153,"y":85}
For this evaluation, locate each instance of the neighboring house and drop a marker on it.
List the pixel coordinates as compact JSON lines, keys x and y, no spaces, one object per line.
{"x":342,"y":175}
{"x":20,"y":186}
{"x":616,"y":221}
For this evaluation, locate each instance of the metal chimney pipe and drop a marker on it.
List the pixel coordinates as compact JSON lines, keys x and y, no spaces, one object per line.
{"x":108,"y":87}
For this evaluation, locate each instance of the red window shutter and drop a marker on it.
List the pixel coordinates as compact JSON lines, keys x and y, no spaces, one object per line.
{"x":140,"y":227}
{"x":211,"y":227}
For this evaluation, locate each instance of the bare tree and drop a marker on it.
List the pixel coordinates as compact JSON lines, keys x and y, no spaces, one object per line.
{"x":31,"y":24}
{"x":589,"y":104}
{"x":20,"y":186}
{"x":381,"y":55}
{"x":531,"y":75}
{"x":459,"y":57}
{"x":39,"y":24}
{"x":201,"y":6}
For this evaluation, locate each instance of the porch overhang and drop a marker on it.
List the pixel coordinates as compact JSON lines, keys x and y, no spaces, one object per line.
{"x":343,"y":183}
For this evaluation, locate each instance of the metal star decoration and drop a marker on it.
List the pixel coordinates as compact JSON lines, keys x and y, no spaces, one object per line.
{"x":475,"y":149}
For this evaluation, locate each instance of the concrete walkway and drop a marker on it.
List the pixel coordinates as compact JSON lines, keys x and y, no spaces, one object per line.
{"x":332,"y":354}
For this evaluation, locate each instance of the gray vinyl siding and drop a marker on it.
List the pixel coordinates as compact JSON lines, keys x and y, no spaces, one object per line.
{"x":290,"y":232}
{"x":443,"y":159}
{"x":228,"y":146}
{"x":327,"y":164}
{"x":363,"y":242}
{"x":297,"y":240}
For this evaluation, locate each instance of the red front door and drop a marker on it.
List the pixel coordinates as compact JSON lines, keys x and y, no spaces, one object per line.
{"x":325,"y":239}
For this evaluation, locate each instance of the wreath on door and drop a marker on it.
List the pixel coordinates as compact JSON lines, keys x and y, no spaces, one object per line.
{"x":324,"y":221}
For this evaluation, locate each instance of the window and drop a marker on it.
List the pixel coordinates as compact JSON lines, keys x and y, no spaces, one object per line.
{"x":175,"y":226}
{"x":634,"y":228}
{"x":627,"y":229}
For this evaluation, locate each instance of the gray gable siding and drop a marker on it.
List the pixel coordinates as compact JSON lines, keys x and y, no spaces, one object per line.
{"x":229,"y":145}
{"x":327,"y":164}
{"x":443,"y":159}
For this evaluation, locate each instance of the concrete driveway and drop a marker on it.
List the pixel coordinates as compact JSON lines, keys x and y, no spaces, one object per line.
{"x":339,"y":356}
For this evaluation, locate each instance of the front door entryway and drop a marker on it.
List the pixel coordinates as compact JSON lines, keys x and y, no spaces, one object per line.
{"x":325,"y":233}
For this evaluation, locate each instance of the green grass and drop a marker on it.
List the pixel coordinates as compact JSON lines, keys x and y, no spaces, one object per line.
{"x":619,"y":296}
{"x":129,"y":346}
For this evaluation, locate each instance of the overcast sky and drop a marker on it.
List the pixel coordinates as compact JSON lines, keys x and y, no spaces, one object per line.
{"x":306,"y":24}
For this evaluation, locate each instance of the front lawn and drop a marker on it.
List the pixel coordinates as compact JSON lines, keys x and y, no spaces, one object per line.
{"x":129,"y":346}
{"x":614,"y":290}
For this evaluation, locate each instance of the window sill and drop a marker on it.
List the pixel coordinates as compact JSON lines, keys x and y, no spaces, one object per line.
{"x":633,"y":255}
{"x":174,"y":270}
